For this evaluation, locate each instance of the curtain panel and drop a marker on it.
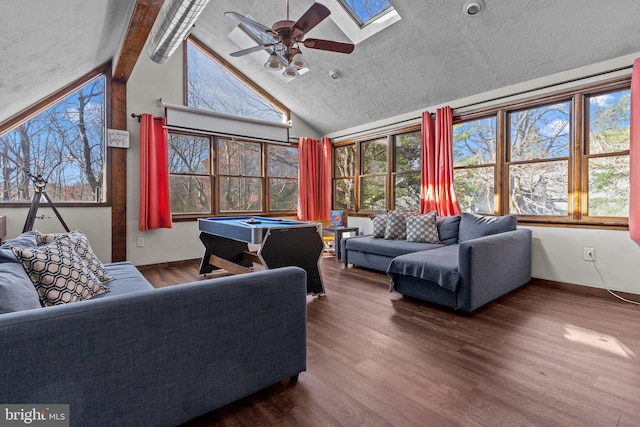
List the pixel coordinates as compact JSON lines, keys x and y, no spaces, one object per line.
{"x":634,"y":154}
{"x":308,"y":179}
{"x":155,"y":202}
{"x":436,"y":188}
{"x":324,"y":205}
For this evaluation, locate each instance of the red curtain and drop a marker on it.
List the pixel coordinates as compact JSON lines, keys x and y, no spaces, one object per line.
{"x":436,"y":192}
{"x":308,"y":179}
{"x":428,"y":170}
{"x":324,"y":205}
{"x":634,"y":154}
{"x":155,"y":204}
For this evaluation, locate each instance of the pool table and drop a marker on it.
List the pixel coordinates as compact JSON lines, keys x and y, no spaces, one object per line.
{"x":283,"y":242}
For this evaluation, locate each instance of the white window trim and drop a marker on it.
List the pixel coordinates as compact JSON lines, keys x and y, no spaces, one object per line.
{"x":352,"y":30}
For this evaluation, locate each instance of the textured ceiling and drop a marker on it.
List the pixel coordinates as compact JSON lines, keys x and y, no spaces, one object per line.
{"x":435,"y":54}
{"x":45,"y":45}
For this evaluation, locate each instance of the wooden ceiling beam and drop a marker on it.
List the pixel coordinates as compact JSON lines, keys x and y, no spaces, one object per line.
{"x":143,"y":17}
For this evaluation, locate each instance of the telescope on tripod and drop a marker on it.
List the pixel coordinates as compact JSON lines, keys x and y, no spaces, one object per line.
{"x":40,"y":185}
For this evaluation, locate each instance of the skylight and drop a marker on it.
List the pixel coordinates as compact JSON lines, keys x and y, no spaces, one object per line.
{"x":364,"y":12}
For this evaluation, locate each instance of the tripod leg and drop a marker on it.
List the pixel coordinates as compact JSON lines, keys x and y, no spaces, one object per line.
{"x":55,"y":211}
{"x":33,"y":210}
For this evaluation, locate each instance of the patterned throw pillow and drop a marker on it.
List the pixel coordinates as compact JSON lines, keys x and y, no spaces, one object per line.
{"x":80,"y":244}
{"x":422,"y":228}
{"x":59,"y":274}
{"x":379,"y":225}
{"x":396,"y":225}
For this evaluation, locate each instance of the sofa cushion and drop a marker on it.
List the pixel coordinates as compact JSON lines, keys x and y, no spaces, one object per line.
{"x":422,"y":228}
{"x":389,"y":248}
{"x":396,"y":225}
{"x":448,"y":229}
{"x":58,"y":273}
{"x":16,"y":289}
{"x":379,"y":225}
{"x":126,"y":279}
{"x":473,"y":226}
{"x":80,"y":245}
{"x":438,"y":265}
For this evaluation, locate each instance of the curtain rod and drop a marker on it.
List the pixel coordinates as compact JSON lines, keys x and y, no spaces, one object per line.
{"x":138,"y":116}
{"x":497,"y":98}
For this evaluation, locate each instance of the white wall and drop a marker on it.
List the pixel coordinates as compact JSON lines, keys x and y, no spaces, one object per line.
{"x":94,"y":222}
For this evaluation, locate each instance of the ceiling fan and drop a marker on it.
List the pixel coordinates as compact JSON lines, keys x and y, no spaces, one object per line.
{"x":287,"y":36}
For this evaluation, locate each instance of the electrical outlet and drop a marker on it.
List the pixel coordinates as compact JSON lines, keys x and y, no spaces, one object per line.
{"x":589,"y":254}
{"x":140,"y":242}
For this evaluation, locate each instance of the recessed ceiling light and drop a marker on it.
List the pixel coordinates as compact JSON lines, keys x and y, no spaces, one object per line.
{"x":473,"y":7}
{"x":335,"y":74}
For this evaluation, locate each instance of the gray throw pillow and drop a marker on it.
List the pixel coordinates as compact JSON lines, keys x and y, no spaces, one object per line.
{"x":396,"y":226}
{"x":25,"y":240}
{"x":379,"y":225}
{"x":448,"y":229}
{"x":422,"y":228}
{"x":473,"y":226}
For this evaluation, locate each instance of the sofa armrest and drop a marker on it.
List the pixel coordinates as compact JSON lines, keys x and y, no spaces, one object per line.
{"x":492,"y":266}
{"x":158,"y":357}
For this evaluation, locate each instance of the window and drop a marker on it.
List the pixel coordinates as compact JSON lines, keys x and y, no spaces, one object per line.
{"x":562,"y":160}
{"x":240,"y":172}
{"x":373,"y":175}
{"x":237,"y":175}
{"x":364,"y":12}
{"x":406,"y":176}
{"x":344,"y":172}
{"x":283,"y":177}
{"x":474,"y":161}
{"x":64,"y":143}
{"x":377,"y":174}
{"x":190,"y":174}
{"x":212,"y":85}
{"x":607,"y":154}
{"x":538,"y":169}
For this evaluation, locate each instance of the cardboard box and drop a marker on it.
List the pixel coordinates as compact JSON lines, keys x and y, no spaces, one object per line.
{"x":339,"y":218}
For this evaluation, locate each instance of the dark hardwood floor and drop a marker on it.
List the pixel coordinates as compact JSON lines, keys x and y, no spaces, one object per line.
{"x":540,"y":356}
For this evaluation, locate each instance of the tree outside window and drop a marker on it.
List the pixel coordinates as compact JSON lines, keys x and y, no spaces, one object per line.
{"x":344,"y":171}
{"x":373,"y":175}
{"x":607,"y":157}
{"x":189,"y":167}
{"x":407,"y":164}
{"x":282,"y":177}
{"x":64,"y":143}
{"x":240,"y":175}
{"x":539,"y":148}
{"x":474,"y":158}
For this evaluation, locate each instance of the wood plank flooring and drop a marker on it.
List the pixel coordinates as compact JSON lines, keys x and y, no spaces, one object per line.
{"x":540,"y":356}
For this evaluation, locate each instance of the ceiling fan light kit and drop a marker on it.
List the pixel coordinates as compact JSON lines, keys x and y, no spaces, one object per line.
{"x":287,"y":37}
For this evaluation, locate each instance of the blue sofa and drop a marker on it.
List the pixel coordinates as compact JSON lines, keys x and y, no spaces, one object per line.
{"x":143,"y":356}
{"x":478,"y":260}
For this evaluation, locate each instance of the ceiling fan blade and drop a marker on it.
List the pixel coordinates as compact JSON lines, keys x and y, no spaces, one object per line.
{"x":312,"y":17}
{"x":329,"y":45}
{"x":251,"y":50}
{"x":249,"y":22}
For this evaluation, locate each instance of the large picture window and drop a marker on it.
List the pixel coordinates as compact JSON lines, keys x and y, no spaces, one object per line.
{"x":213,"y":175}
{"x":64,"y":143}
{"x":214,"y":86}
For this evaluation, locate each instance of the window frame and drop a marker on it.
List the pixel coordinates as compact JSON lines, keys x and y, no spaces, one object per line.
{"x":103,"y":71}
{"x":215,"y":178}
{"x":577,"y":207}
{"x":389,"y":174}
{"x":231,"y":70}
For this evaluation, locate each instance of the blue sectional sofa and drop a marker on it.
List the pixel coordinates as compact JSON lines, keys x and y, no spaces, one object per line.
{"x":478,"y":260}
{"x":143,"y":356}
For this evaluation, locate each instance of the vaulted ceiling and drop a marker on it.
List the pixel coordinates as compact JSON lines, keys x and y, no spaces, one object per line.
{"x":433,"y":55}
